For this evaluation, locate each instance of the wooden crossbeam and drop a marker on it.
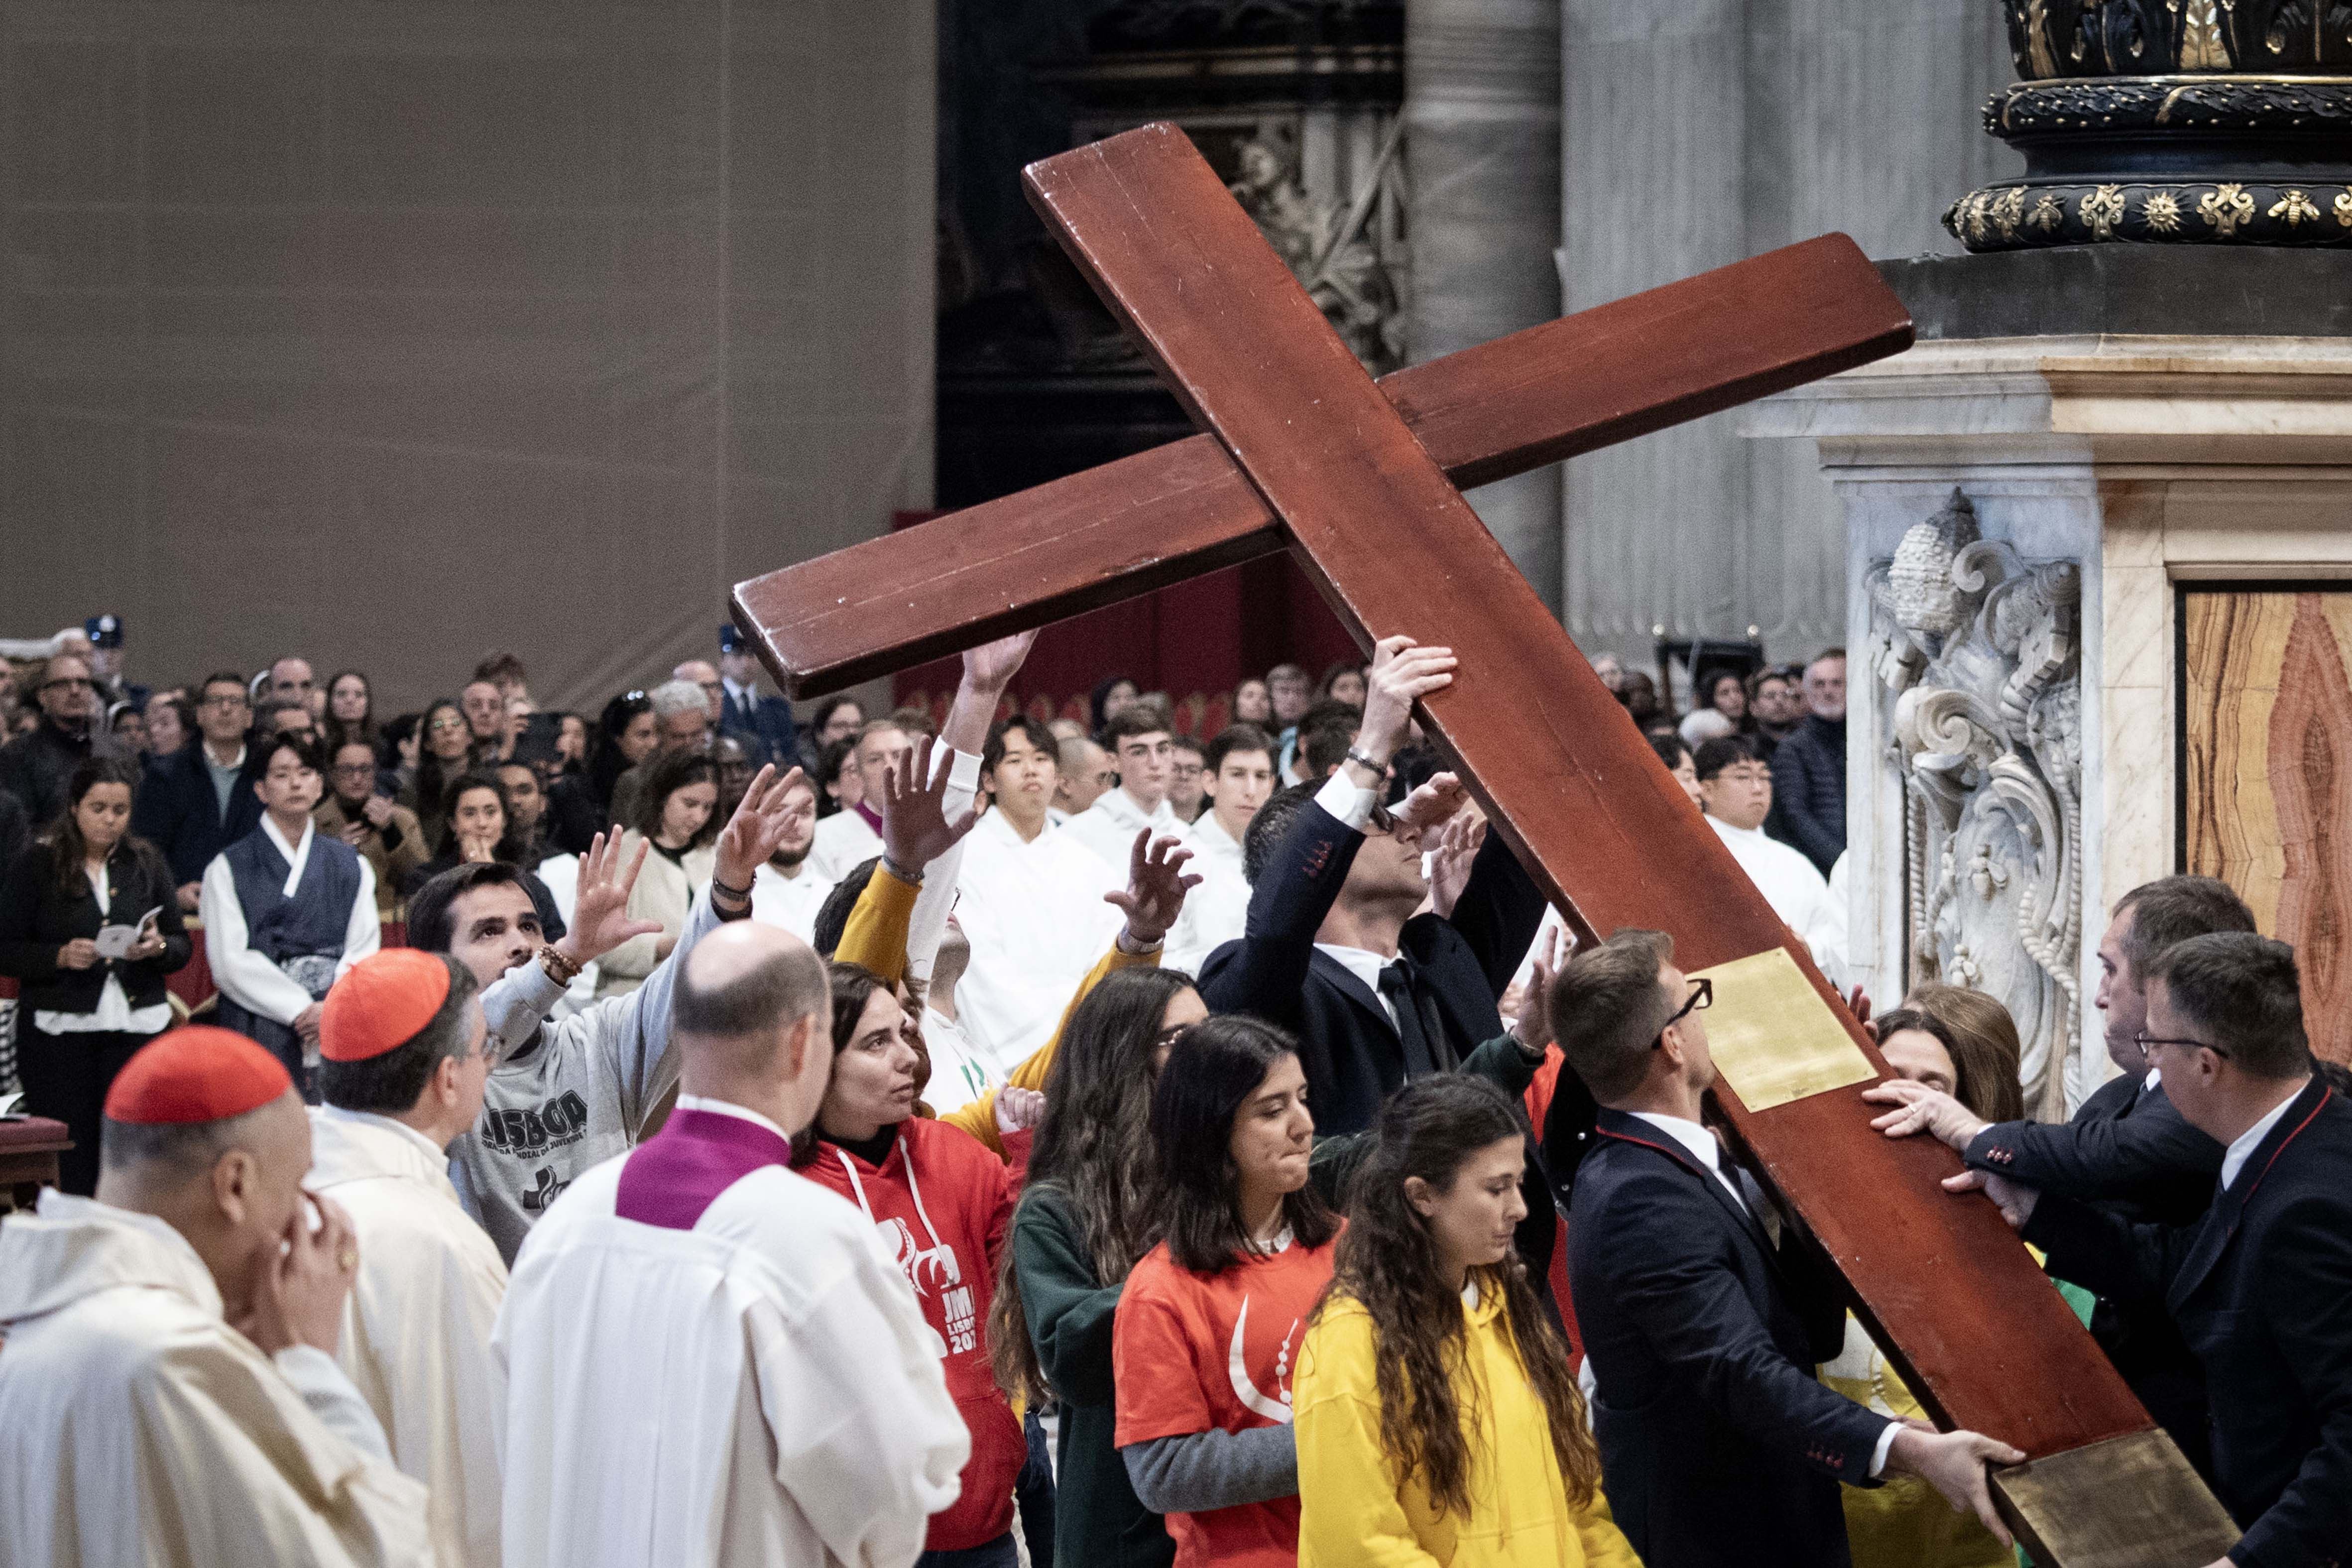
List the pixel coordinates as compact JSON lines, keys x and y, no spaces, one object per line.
{"x":1585,"y":381}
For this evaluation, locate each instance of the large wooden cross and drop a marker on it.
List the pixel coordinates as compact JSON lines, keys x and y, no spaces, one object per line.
{"x":1358,"y":480}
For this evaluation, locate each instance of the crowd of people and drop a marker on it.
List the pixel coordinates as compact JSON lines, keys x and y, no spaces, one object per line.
{"x":691,"y":1135}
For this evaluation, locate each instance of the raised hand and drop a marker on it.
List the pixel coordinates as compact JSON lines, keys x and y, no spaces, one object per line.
{"x":1156,"y":885}
{"x":1403,"y":674}
{"x":1431,"y":805}
{"x":1532,"y":1025}
{"x":1456,"y":852}
{"x":1018,"y":1108}
{"x":758,"y":827}
{"x":914,"y":828}
{"x":1923,"y":1110}
{"x":600,"y":910}
{"x":992,"y":665}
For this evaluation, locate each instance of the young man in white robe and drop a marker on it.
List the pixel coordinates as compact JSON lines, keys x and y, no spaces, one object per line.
{"x":1145,"y":756}
{"x":1237,"y":775}
{"x":1734,"y":786}
{"x":850,"y":837}
{"x":708,"y":1361}
{"x":403,"y":1060}
{"x":1030,"y":900}
{"x":169,"y":1392}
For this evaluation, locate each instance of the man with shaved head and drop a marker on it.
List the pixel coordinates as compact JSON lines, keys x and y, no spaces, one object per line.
{"x":697,"y":1286}
{"x":169,"y":1391}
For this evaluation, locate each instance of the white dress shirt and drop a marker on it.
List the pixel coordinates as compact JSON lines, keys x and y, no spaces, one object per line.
{"x":1353,"y":807}
{"x":2251,"y":1139}
{"x":790,"y":903}
{"x":114,"y":1013}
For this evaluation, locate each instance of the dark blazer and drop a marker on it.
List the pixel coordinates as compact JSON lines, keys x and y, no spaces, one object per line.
{"x":179,"y":813}
{"x":1808,"y":790}
{"x":38,"y":768}
{"x":39,"y":915}
{"x":1348,"y":1047}
{"x":766,"y":727}
{"x":2262,"y":1286}
{"x":1719,"y":1446}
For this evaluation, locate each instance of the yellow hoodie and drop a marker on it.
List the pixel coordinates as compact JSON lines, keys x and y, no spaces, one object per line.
{"x":1352,"y":1513}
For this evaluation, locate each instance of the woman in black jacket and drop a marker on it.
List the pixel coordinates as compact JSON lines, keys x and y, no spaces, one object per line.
{"x":82,"y":1013}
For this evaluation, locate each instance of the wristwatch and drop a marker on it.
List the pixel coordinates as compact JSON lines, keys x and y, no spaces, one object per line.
{"x":1361,"y":761}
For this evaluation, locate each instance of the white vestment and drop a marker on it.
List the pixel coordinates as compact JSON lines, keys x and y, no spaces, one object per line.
{"x":1793,"y":887}
{"x":138,"y":1428}
{"x":1215,"y":912}
{"x":843,"y":841}
{"x":790,"y":903}
{"x":416,"y":1326}
{"x":1038,"y":923}
{"x":1110,"y":826}
{"x":760,"y":1388}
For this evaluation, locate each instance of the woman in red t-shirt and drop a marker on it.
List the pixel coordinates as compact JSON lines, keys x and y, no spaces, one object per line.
{"x":1208,"y":1331}
{"x":941,"y":1202}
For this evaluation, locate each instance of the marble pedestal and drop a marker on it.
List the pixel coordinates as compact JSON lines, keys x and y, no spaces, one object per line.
{"x":2012,"y":731}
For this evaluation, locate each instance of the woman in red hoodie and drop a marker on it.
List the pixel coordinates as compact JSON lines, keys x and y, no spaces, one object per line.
{"x":943,"y":1202}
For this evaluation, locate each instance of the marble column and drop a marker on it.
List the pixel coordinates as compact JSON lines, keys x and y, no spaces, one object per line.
{"x":1482,"y":149}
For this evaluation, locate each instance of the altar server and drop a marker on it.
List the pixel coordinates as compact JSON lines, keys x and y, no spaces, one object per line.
{"x":169,"y":1393}
{"x":406,"y":1058}
{"x":1734,"y":788}
{"x":707,"y":1358}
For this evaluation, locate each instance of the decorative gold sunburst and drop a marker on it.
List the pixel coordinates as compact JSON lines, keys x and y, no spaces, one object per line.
{"x":2162,"y":213}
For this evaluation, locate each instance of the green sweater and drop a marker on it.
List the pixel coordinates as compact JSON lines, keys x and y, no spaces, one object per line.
{"x":1097,"y":1521}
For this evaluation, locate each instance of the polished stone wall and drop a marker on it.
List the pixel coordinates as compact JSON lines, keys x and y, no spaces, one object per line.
{"x":1700,"y":132}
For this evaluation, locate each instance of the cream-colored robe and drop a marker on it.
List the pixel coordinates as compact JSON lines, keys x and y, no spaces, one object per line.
{"x":416,"y":1328}
{"x":138,"y":1428}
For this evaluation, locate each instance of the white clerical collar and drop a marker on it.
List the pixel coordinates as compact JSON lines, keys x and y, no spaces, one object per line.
{"x":1728,"y":831}
{"x":729,"y":1108}
{"x":296,"y":854}
{"x":372,"y":1119}
{"x":2251,"y":1139}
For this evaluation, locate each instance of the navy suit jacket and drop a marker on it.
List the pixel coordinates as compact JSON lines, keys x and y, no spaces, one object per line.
{"x":1719,"y":1444}
{"x":179,"y":813}
{"x":766,"y":727}
{"x":2130,"y":1152}
{"x":1346,"y":1045}
{"x":2262,"y":1287}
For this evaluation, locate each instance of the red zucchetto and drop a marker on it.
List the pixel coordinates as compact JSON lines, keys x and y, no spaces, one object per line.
{"x":196,"y":1074}
{"x":381,"y":1002}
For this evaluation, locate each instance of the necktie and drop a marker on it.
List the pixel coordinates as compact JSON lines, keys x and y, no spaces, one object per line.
{"x":1396,"y":990}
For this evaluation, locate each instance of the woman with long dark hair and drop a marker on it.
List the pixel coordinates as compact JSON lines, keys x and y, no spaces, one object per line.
{"x":350,"y":710}
{"x":444,"y":752}
{"x":941,"y":1202}
{"x":1438,"y":1418}
{"x":579,"y":803}
{"x":1207,"y":1330}
{"x":90,"y":925}
{"x":678,"y":816}
{"x":482,"y":827}
{"x":1085,"y":1216}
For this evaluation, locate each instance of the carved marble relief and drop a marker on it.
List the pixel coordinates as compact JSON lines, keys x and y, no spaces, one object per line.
{"x":1975,"y":657}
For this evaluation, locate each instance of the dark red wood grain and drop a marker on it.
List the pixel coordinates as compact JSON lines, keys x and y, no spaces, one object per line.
{"x":1585,"y":381}
{"x":1566,"y":777}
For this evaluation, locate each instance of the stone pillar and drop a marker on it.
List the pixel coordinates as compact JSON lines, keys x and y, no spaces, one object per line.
{"x":1482,"y":150}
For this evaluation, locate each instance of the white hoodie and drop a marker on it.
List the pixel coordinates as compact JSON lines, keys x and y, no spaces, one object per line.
{"x":136,"y":1426}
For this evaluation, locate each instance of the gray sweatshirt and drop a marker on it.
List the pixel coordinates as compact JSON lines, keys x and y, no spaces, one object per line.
{"x":570,"y":1095}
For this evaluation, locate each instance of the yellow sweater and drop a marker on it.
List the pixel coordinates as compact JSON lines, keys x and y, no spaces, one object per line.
{"x":876,"y":938}
{"x":1351,"y":1512}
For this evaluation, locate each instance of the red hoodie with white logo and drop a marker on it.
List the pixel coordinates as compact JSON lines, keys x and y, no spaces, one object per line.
{"x":943,"y":1202}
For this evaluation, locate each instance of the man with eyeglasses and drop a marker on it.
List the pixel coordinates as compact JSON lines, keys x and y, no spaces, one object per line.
{"x":2261,"y":1286}
{"x":1703,"y":1314}
{"x":38,"y":767}
{"x":386,"y":834}
{"x":2127,"y":1149}
{"x":200,"y":799}
{"x":405,"y":1060}
{"x":1735,"y":789}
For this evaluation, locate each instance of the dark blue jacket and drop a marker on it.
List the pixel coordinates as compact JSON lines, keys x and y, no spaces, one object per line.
{"x":766,"y":728}
{"x":1809,"y":791}
{"x":179,"y":813}
{"x":2130,"y":1155}
{"x":1346,"y":1045}
{"x":2262,"y":1287}
{"x":1718,"y":1447}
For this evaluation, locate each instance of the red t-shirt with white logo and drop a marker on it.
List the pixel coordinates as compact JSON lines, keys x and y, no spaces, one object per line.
{"x":1196,"y":1353}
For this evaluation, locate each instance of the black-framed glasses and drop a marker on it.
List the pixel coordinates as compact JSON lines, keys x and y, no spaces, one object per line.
{"x":1383,"y":819}
{"x":1702,"y":997}
{"x":2146,"y":1042}
{"x":69,"y":682}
